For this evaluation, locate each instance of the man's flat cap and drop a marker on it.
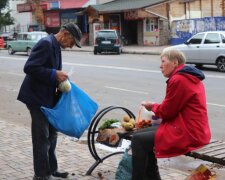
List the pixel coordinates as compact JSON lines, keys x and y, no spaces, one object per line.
{"x":75,"y":32}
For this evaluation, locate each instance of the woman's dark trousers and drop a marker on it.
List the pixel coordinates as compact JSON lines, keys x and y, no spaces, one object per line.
{"x":143,"y":158}
{"x":44,"y":139}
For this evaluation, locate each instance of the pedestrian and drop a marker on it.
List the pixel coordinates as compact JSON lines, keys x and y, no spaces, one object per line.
{"x":39,"y":88}
{"x":183,"y":111}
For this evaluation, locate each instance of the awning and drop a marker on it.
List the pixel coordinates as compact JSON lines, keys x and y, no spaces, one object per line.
{"x":65,"y":4}
{"x":124,"y":5}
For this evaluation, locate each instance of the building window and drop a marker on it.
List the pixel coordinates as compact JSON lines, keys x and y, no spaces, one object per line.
{"x":151,"y":24}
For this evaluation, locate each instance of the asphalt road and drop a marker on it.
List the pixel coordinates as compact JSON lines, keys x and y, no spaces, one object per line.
{"x":121,"y":80}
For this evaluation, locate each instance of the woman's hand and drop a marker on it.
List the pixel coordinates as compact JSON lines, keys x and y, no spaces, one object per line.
{"x":147,"y":105}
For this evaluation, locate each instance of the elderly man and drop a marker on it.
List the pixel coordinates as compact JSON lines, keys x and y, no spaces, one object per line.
{"x":43,"y":74}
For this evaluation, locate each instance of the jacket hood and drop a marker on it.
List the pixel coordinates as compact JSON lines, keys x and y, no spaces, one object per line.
{"x":192,"y":71}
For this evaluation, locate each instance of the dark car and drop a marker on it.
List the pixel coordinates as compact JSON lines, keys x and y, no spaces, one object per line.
{"x":107,"y":41}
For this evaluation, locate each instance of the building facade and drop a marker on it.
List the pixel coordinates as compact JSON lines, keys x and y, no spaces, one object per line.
{"x":188,"y":17}
{"x":139,"y":22}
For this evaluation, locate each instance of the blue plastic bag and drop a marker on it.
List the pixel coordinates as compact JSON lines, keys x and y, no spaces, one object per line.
{"x":124,"y":169}
{"x":73,"y":112}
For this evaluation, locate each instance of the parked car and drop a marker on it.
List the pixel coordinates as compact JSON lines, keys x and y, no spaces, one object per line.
{"x":205,"y":48}
{"x":107,"y":40}
{"x":25,"y":42}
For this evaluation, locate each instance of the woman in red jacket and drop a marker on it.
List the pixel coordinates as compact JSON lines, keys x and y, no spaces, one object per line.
{"x":184,"y":117}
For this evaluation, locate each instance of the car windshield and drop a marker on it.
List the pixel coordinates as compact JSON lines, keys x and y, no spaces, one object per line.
{"x":107,"y":34}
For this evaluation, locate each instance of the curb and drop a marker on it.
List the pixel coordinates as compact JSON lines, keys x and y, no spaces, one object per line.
{"x":137,"y":52}
{"x":123,"y":51}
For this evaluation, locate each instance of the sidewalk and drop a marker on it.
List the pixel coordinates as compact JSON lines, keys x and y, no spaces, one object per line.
{"x":150,"y":50}
{"x":73,"y":156}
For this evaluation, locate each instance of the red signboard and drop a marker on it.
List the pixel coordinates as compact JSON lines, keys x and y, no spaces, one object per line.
{"x":27,"y":7}
{"x":24,"y":7}
{"x":52,"y":19}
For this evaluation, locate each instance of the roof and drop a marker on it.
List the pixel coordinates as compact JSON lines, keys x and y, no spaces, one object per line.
{"x":123,"y":5}
{"x":65,"y":4}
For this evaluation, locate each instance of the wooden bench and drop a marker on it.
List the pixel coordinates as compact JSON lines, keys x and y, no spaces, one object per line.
{"x":213,"y":152}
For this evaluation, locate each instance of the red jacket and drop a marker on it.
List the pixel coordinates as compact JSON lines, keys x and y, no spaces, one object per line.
{"x":185,"y":124}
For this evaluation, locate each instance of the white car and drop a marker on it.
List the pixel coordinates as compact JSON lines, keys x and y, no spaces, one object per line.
{"x":205,"y":48}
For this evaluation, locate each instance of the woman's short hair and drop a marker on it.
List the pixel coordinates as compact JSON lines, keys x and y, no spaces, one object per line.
{"x":173,"y":54}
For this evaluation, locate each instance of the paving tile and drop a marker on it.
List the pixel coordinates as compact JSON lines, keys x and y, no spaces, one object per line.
{"x":73,"y":156}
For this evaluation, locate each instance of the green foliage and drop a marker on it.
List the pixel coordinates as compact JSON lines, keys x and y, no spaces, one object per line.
{"x":107,"y":123}
{"x":3,"y":4}
{"x":5,"y":17}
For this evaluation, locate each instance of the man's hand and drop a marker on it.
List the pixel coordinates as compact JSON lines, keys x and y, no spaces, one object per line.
{"x":61,"y":76}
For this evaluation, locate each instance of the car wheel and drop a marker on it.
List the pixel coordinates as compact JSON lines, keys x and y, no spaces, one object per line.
{"x":95,"y":52}
{"x":10,"y":51}
{"x":221,"y":64}
{"x":199,"y":66}
{"x":28,"y":51}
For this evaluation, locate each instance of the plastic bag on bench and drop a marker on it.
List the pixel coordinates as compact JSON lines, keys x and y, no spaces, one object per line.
{"x":73,"y":112}
{"x":109,"y":137}
{"x":124,"y":169}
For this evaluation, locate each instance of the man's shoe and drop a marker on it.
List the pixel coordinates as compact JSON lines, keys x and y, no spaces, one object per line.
{"x":41,"y":178}
{"x":60,"y":174}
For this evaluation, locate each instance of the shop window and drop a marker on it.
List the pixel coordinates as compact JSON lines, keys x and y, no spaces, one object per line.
{"x":151,"y":24}
{"x":114,"y":22}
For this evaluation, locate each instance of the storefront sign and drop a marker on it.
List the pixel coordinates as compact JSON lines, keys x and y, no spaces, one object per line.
{"x":52,"y":19}
{"x":132,"y":15}
{"x":24,"y":7}
{"x":27,"y":7}
{"x":43,"y":7}
{"x":68,"y":17}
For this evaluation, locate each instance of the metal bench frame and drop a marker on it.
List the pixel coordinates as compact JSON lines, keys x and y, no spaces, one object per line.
{"x":92,"y":132}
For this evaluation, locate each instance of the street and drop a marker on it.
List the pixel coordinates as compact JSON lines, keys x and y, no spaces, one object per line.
{"x":123,"y":80}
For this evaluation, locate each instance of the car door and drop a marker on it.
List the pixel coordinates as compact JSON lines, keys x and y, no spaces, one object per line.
{"x":210,"y":48}
{"x":24,"y":42}
{"x":191,"y":48}
{"x":16,"y":45}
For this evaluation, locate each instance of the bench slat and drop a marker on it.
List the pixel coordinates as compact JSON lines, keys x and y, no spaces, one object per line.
{"x":220,"y":156}
{"x":215,"y":153}
{"x":212,"y":144}
{"x":211,"y":149}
